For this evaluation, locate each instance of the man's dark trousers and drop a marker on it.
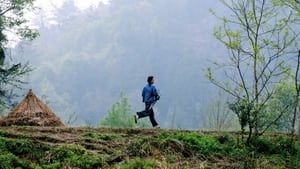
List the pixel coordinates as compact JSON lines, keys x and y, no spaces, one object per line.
{"x":148,"y":112}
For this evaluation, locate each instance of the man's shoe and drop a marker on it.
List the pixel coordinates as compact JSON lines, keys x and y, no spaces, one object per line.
{"x":136,"y":118}
{"x":156,"y":127}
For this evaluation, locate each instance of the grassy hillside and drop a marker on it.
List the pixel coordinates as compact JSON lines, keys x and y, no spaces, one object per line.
{"x":89,"y":148}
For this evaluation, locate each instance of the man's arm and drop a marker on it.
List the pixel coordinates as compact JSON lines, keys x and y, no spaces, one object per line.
{"x":155,"y":94}
{"x":143,"y":94}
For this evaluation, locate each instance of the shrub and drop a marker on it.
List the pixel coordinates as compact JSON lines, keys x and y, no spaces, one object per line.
{"x":138,"y":163}
{"x":23,"y":148}
{"x":200,"y":143}
{"x":8,"y":160}
{"x":75,"y":156}
{"x":120,"y":115}
{"x":85,"y":161}
{"x":279,"y":145}
{"x":140,"y":147}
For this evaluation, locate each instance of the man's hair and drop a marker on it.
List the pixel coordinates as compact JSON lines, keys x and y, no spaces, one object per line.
{"x":149,"y":79}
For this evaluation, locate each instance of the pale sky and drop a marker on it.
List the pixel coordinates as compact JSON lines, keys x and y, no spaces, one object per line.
{"x":81,"y":4}
{"x":47,"y":7}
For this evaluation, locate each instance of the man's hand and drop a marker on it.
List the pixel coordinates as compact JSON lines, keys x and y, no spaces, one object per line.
{"x":157,"y":97}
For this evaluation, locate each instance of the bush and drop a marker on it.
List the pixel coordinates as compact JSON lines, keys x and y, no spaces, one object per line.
{"x":203,"y":144}
{"x":23,"y":148}
{"x":8,"y":160}
{"x":263,"y":145}
{"x":279,"y":145}
{"x":75,"y":156}
{"x":138,"y":163}
{"x":120,"y":115}
{"x":55,"y":165}
{"x":85,"y":161}
{"x":287,"y":146}
{"x":140,"y":147}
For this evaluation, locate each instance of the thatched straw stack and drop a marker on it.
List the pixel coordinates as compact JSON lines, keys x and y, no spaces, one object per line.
{"x":31,"y":111}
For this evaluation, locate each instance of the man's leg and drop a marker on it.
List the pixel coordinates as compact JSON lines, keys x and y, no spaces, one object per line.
{"x":152,"y":118}
{"x":142,"y":114}
{"x":145,"y":112}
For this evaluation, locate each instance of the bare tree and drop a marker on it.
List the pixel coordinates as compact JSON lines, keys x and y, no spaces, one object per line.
{"x":219,"y":117}
{"x":257,"y":35}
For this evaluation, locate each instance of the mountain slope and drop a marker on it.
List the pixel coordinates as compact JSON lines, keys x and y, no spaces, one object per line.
{"x":47,"y":147}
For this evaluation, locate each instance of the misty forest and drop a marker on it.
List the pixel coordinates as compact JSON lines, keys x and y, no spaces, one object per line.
{"x":83,"y":60}
{"x":226,"y":74}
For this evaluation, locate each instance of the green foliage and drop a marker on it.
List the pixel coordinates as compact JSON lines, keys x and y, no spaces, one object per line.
{"x":282,"y":104}
{"x":11,"y":78}
{"x":94,"y":137}
{"x":140,"y":147}
{"x":201,"y":143}
{"x":85,"y":161}
{"x":242,"y":108}
{"x":293,"y":4}
{"x":74,"y":156}
{"x":272,"y":152}
{"x":55,"y":165}
{"x":10,"y":161}
{"x":138,"y":163}
{"x":12,"y":19}
{"x":147,"y":148}
{"x":120,"y":115}
{"x":259,"y":40}
{"x":60,"y":153}
{"x":280,"y":145}
{"x":22,"y":147}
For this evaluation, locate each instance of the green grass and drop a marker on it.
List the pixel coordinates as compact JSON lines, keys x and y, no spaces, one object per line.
{"x":73,"y":156}
{"x":137,"y":163}
{"x":124,"y":149}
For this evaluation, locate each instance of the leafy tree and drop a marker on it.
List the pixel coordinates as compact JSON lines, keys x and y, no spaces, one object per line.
{"x":281,"y":104}
{"x":242,"y":108}
{"x":12,"y":21}
{"x":257,"y":35}
{"x":120,"y":115}
{"x":295,"y":6}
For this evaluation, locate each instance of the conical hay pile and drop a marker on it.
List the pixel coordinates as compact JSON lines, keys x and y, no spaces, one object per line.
{"x":31,"y":112}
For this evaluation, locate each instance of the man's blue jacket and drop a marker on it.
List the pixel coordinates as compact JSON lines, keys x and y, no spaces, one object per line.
{"x":149,"y":93}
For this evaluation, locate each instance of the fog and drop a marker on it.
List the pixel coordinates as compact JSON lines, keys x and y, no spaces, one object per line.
{"x":84,"y":59}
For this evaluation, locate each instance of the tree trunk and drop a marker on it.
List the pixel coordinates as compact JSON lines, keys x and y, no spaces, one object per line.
{"x":298,"y":126}
{"x":297,"y":87}
{"x":249,"y":134}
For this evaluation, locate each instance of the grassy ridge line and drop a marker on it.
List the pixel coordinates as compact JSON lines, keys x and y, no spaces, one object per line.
{"x":83,"y":147}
